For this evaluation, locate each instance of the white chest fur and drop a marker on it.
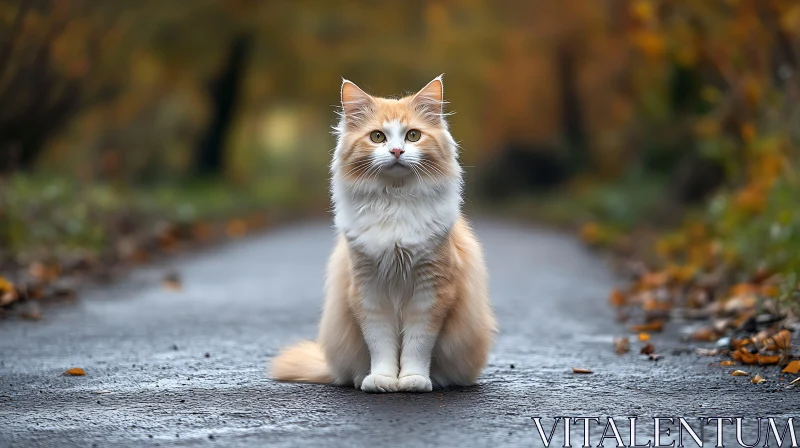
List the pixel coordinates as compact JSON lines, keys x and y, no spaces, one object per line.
{"x":378,"y":221}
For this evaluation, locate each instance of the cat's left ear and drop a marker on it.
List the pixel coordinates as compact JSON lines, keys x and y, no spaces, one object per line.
{"x":355,"y":102}
{"x":430,"y":100}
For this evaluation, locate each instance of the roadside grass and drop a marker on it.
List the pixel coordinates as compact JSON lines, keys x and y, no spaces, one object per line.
{"x":54,"y":217}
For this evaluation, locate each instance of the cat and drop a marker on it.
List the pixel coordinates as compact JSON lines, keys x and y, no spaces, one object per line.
{"x":406,"y":301}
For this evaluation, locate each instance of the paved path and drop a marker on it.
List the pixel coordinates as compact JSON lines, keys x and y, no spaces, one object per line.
{"x":244,"y":301}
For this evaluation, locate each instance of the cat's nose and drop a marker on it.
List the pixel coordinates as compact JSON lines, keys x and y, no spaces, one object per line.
{"x":397,"y":152}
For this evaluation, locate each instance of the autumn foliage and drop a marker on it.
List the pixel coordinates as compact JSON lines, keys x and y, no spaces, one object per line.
{"x":680,"y":116}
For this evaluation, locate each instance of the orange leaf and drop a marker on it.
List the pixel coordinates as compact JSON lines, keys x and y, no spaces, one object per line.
{"x":617,"y":298}
{"x":654,"y":279}
{"x":783,"y":339}
{"x":591,"y":233}
{"x":8,"y":292}
{"x":727,"y":363}
{"x":739,"y":373}
{"x":579,"y":370}
{"x":705,"y":334}
{"x":737,"y":343}
{"x":793,"y":368}
{"x":757,"y":379}
{"x":75,"y":371}
{"x":644,"y":337}
{"x":768,"y":359}
{"x":236,"y":228}
{"x":745,"y":356}
{"x":654,"y":326}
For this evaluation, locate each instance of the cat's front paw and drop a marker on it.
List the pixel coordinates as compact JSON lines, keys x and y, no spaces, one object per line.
{"x":378,"y":384}
{"x":415,"y":383}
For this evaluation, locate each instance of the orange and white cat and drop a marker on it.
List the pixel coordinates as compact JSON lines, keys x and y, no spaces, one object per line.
{"x":406,"y":300}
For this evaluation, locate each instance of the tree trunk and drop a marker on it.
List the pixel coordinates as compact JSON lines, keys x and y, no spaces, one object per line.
{"x":224,"y":91}
{"x":572,"y":120}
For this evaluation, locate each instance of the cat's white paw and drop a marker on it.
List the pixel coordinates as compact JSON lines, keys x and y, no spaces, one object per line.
{"x":415,"y":383}
{"x":376,"y":383}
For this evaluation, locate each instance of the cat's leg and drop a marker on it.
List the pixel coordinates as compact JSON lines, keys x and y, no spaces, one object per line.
{"x":339,"y":331}
{"x":418,"y":338}
{"x":379,"y":327}
{"x":462,"y":347}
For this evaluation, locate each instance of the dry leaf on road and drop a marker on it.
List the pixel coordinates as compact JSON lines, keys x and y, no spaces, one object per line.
{"x":172,"y":281}
{"x":653,"y":327}
{"x":647,"y":350}
{"x":621,"y":345}
{"x":793,"y":368}
{"x":757,"y":379}
{"x":727,"y":363}
{"x":739,"y":373}
{"x":768,"y":359}
{"x":75,"y":371}
{"x":617,"y":298}
{"x":781,"y":340}
{"x":578,"y":370}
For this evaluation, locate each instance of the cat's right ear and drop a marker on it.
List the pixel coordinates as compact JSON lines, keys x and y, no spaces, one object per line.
{"x":355,"y":102}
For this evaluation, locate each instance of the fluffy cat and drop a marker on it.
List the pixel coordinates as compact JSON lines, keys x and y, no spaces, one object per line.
{"x":406,"y":300}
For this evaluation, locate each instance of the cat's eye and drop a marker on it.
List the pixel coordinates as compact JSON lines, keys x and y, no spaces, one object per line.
{"x":377,"y":136}
{"x":413,"y":135}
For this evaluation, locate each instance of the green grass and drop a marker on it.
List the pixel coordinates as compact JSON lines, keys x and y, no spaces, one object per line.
{"x":621,"y":204}
{"x":51,"y":216}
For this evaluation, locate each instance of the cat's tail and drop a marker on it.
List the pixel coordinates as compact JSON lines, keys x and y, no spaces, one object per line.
{"x":303,"y":362}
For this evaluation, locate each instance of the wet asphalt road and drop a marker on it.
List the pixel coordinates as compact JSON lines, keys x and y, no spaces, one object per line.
{"x":146,"y":346}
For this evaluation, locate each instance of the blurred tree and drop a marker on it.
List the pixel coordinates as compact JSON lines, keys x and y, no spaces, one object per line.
{"x":49,"y":56}
{"x":224,"y":92}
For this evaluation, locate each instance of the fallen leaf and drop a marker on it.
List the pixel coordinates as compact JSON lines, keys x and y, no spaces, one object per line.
{"x":8,"y":293}
{"x":741,"y":289}
{"x":644,"y":337}
{"x":780,"y":341}
{"x":793,"y":368}
{"x":172,"y":282}
{"x":578,"y":370}
{"x":75,"y":371}
{"x":768,"y":359}
{"x":745,"y":357}
{"x":236,"y":228}
{"x":737,"y":343}
{"x":704,"y":334}
{"x":654,"y":357}
{"x":652,"y":280}
{"x":591,"y":233}
{"x":727,"y":363}
{"x":740,"y":303}
{"x":654,"y":327}
{"x":617,"y":298}
{"x":757,"y":379}
{"x":45,"y":272}
{"x":655,"y":306}
{"x":621,"y":345}
{"x":739,"y":373}
{"x":647,"y":350}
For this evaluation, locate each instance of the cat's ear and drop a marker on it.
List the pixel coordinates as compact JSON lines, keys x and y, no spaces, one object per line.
{"x":429,"y":101}
{"x":355,"y":102}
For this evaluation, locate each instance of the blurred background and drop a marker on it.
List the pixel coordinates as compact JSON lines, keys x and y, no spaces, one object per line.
{"x":127,"y":127}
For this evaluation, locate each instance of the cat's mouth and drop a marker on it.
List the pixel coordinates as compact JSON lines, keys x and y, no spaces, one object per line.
{"x":397,"y":168}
